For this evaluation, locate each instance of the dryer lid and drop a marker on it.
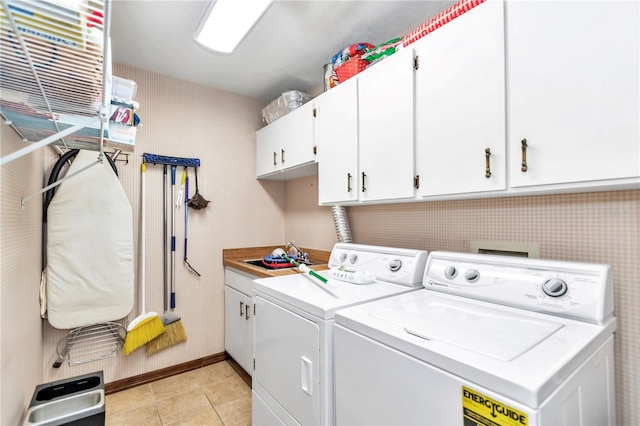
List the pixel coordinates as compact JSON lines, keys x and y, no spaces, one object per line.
{"x":500,"y":335}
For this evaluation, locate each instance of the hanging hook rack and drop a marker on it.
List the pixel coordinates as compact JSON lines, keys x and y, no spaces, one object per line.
{"x":170,"y":161}
{"x":117,"y":153}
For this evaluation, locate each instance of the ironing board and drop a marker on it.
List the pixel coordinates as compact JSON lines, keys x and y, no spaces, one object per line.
{"x":90,"y":262}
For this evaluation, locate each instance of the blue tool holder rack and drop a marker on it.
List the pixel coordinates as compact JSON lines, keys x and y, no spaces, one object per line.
{"x":171,"y":161}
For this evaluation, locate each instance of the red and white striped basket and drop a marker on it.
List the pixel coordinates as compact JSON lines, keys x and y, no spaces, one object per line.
{"x":439,"y":20}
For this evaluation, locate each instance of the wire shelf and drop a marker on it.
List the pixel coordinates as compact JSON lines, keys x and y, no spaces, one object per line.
{"x":90,"y":343}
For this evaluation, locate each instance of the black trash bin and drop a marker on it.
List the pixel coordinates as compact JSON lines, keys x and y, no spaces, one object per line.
{"x":77,"y":401}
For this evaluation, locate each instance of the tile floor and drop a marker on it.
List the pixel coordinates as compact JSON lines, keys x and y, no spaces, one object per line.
{"x":212,"y":395}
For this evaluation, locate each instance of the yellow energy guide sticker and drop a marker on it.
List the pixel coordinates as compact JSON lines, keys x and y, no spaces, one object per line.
{"x":480,"y":410}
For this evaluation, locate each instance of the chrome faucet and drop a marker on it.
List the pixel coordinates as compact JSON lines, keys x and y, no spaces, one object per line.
{"x":302,"y":256}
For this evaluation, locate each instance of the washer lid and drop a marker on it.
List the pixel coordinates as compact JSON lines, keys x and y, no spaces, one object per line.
{"x":514,"y":352}
{"x":480,"y":329}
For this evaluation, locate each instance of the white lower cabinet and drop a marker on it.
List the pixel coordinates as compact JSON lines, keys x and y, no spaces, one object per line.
{"x":239,"y":322}
{"x":574,"y":92}
{"x":460,"y":105}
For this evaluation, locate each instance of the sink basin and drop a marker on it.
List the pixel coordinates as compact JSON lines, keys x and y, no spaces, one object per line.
{"x":258,"y":263}
{"x":66,"y":409}
{"x":79,"y":400}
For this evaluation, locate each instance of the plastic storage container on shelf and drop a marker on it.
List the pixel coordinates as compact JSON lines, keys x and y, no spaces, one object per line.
{"x":123,"y":90}
{"x":284,"y":104}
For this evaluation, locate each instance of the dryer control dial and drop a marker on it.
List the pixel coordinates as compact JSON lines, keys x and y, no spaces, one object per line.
{"x":353,"y":259}
{"x":450,"y":272}
{"x":472,"y":275}
{"x":555,"y":287}
{"x":395,"y":265}
{"x":342,"y":256}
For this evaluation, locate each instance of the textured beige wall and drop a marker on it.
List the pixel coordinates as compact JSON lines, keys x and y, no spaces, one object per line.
{"x":183,"y":119}
{"x":601,"y":227}
{"x":20,"y":266}
{"x":306,"y":223}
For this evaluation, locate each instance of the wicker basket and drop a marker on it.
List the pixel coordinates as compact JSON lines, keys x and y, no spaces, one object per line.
{"x":350,"y":68}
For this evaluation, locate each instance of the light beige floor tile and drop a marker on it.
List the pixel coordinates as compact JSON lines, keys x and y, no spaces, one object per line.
{"x":174,"y":385}
{"x":142,"y":416}
{"x":225,"y":390}
{"x":185,"y":399}
{"x":183,"y":405}
{"x":203,"y":418}
{"x":236,"y":412}
{"x":129,"y":399}
{"x":215,"y":372}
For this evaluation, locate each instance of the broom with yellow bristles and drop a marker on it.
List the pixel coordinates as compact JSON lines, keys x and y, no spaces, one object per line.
{"x":175,"y":331}
{"x":147,"y":326}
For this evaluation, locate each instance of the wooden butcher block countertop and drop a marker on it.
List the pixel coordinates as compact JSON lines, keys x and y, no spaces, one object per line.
{"x":234,"y":258}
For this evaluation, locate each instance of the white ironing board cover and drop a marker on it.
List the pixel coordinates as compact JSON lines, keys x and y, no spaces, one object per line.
{"x":90,"y":264}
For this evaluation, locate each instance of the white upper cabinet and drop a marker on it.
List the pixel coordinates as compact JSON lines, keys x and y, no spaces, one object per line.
{"x":268,"y":149}
{"x":285,"y":149}
{"x":337,"y":138}
{"x":573,"y":92}
{"x":386,"y":129}
{"x":460,"y":104}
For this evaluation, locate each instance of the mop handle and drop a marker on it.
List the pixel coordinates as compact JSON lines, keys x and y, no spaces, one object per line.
{"x":143,"y":202}
{"x":186,"y":213}
{"x":165,"y":253}
{"x":173,"y":240}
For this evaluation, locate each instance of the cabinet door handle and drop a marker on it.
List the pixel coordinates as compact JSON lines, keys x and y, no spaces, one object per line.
{"x":246,"y":312}
{"x":241,"y":308}
{"x":348,"y":182}
{"x":275,"y":156}
{"x":524,"y":155}
{"x":487,"y":157}
{"x":364,"y":188}
{"x":282,"y":156}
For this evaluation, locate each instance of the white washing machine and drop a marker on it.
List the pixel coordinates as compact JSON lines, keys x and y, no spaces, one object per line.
{"x":293,"y":366}
{"x":491,"y":340}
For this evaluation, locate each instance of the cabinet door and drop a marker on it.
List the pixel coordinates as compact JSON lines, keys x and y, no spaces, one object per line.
{"x":460,"y":104}
{"x":337,"y":139}
{"x":268,"y":149}
{"x":573,"y":91}
{"x":386,"y":132}
{"x":235,"y":326}
{"x":297,"y":139}
{"x":248,"y":337}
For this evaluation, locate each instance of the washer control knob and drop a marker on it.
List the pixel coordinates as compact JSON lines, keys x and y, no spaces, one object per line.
{"x":472,"y":275}
{"x":342,"y":257}
{"x":395,"y":265}
{"x":450,"y":272}
{"x":555,"y":287}
{"x":353,"y":259}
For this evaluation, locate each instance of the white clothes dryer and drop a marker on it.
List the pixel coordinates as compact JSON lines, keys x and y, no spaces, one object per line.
{"x":491,"y":340}
{"x":293,"y":368}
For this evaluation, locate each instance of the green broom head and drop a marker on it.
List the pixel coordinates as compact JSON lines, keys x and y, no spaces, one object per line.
{"x":175,"y":334}
{"x":141,"y":331}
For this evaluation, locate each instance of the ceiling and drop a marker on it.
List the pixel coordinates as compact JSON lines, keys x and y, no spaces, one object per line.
{"x":286,"y":50}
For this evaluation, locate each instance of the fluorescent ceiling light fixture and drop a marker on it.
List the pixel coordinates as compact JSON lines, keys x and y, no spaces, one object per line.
{"x":228,"y":22}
